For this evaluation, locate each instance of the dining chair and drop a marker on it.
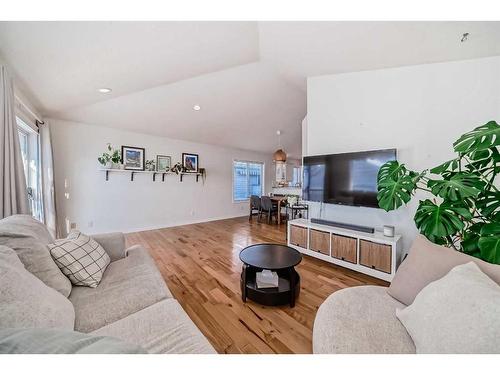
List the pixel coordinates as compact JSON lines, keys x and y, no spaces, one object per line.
{"x":267,"y":207}
{"x":254,"y":206}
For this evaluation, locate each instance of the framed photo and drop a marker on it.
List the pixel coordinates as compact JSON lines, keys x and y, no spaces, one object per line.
{"x":190,"y":162}
{"x":133,"y":158}
{"x":163,"y":163}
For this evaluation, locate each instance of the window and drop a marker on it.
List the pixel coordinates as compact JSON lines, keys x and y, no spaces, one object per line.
{"x":247,"y":179}
{"x":28,"y":140}
{"x":297,"y":176}
{"x":23,"y":141}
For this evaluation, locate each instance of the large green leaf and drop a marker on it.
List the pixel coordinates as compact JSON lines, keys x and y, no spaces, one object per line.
{"x":484,"y":161}
{"x":470,"y":240}
{"x":485,"y":155}
{"x":395,"y":185}
{"x":442,"y":220}
{"x":391,"y":170}
{"x":470,"y":244}
{"x":481,"y":138}
{"x":457,"y":186}
{"x":439,"y":240}
{"x":393,"y":194}
{"x":488,"y":203}
{"x":489,"y":242}
{"x":450,"y":165}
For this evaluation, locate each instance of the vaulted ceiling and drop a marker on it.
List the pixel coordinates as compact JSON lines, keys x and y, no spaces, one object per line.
{"x":249,"y":78}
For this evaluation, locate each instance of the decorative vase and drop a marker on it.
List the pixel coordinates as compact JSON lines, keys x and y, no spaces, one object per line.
{"x":115,"y":165}
{"x":108,"y":165}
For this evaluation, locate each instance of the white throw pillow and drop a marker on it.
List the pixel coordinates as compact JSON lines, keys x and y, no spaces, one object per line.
{"x":459,"y":313}
{"x":80,"y":258}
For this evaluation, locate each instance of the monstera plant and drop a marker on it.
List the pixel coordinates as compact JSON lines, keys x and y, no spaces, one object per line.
{"x":463,"y":211}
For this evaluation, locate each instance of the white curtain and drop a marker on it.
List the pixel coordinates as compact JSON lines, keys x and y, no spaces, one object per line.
{"x":13,"y":192}
{"x":47,"y":175}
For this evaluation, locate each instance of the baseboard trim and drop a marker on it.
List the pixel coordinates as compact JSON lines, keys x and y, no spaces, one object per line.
{"x":172,"y":225}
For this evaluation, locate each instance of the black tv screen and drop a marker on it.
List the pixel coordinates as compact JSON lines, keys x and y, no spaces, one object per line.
{"x":349,"y":178}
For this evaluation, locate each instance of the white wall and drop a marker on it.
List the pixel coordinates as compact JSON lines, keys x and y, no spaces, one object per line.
{"x":420,"y":110}
{"x":304,"y":136}
{"x":84,"y":197}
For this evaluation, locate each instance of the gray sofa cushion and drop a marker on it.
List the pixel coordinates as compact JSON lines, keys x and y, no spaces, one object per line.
{"x":161,"y":328}
{"x":428,"y":262}
{"x":29,"y":238}
{"x":26,"y":302}
{"x":113,"y":243}
{"x":127,"y":286}
{"x":53,"y":341}
{"x":360,"y":320}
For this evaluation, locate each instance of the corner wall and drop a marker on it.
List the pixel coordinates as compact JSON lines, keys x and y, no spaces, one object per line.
{"x":420,"y":110}
{"x":96,"y":205}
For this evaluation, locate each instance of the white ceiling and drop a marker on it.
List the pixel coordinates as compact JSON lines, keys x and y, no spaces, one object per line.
{"x":305,"y":49}
{"x":248,"y":77}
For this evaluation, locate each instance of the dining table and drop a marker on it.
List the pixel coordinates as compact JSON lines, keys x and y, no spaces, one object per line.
{"x":280,"y":201}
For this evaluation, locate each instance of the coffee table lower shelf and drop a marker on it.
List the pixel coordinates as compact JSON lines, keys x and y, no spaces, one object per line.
{"x":281,"y":295}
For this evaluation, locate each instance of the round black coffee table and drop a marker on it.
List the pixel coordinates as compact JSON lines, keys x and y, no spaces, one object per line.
{"x":274,"y":257}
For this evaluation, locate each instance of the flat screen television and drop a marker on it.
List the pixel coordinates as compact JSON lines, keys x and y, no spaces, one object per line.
{"x":348,"y":179}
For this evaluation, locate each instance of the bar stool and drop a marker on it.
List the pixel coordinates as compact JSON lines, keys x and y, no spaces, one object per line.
{"x":298,"y":209}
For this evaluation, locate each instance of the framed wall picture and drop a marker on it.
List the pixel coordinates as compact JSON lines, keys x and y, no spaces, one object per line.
{"x":133,"y":158}
{"x":190,"y":162}
{"x":163,"y":163}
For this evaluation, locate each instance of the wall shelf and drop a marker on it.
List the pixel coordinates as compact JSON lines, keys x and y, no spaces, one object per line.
{"x":154,"y":174}
{"x":189,"y":174}
{"x":133,"y":173}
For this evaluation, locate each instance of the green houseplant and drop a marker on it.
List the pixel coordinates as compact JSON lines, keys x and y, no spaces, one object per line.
{"x":464,"y":212}
{"x":110,"y":158}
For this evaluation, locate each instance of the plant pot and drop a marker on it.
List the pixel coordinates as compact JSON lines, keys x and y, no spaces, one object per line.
{"x":108,"y":165}
{"x":115,"y":165}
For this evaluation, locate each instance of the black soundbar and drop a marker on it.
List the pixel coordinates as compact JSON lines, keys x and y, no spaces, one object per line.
{"x":343,"y":225}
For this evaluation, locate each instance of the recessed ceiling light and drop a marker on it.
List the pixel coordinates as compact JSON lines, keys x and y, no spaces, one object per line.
{"x":196,"y":107}
{"x":105,"y":90}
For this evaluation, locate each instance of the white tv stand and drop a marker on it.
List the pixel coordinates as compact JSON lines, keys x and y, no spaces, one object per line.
{"x":369,"y":253}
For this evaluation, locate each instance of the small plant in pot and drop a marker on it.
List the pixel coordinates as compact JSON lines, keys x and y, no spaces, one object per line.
{"x":111,"y":158}
{"x":150,"y":165}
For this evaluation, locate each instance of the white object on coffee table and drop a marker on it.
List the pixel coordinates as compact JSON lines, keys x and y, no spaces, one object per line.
{"x":267,"y":279}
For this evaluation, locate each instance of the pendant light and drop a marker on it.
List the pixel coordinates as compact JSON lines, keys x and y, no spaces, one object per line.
{"x":279,"y":155}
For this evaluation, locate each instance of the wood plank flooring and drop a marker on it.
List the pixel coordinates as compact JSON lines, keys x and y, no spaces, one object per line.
{"x":200,"y":265}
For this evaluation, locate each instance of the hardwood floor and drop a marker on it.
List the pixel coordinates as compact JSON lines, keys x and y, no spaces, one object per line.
{"x":201,"y":266}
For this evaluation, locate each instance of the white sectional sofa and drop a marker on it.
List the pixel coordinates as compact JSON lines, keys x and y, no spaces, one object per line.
{"x":131,"y":303}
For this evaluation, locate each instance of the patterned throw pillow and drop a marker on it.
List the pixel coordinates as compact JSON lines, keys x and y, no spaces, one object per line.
{"x":80,"y":258}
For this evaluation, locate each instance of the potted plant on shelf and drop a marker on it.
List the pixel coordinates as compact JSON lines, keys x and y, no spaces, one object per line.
{"x":150,"y":165}
{"x":111,"y":158}
{"x":464,"y":209}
